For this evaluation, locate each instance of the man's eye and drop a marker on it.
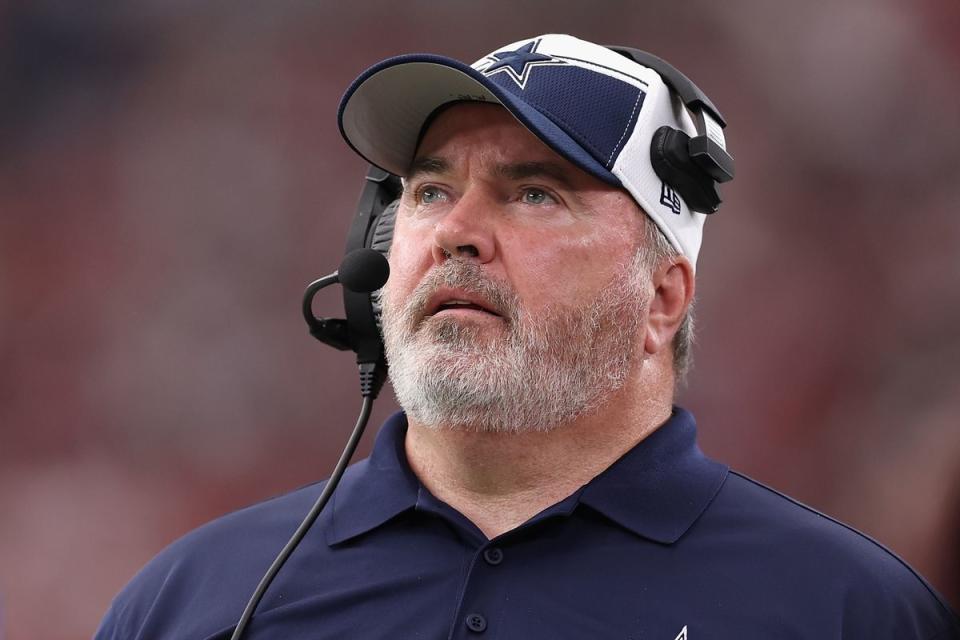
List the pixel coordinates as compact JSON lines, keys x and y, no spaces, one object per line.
{"x":429,"y":195}
{"x":536,"y":196}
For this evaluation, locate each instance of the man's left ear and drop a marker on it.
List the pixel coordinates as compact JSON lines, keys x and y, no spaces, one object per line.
{"x":673,"y":285}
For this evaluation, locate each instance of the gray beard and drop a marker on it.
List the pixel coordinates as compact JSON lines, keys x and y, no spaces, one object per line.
{"x":537,"y":374}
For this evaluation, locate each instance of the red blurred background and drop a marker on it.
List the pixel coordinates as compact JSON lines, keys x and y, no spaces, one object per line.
{"x":171,"y":177}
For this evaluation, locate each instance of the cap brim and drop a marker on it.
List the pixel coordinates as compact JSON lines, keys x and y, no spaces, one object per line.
{"x":383,"y":112}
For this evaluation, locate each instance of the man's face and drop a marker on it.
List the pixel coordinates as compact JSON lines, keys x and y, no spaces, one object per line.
{"x":517,"y":296}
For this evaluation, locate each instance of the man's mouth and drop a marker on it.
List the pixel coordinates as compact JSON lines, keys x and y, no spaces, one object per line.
{"x":459,"y":302}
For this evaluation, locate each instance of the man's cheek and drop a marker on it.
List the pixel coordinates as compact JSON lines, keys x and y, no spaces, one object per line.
{"x":405,"y":267}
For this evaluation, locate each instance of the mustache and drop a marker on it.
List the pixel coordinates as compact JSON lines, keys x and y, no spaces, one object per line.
{"x":469,"y":276}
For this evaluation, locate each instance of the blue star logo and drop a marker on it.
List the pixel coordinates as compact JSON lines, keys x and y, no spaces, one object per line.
{"x":517,"y":64}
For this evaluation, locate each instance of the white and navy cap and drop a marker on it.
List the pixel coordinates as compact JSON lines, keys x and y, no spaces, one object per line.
{"x":590,"y":104}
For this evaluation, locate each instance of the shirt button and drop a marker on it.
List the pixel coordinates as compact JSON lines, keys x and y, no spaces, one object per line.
{"x":493,"y":555}
{"x":476,"y":622}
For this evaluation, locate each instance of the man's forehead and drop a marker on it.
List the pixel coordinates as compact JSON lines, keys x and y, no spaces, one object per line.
{"x":488,"y":131}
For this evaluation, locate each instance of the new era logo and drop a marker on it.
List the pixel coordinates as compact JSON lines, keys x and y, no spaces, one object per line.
{"x":669,"y":198}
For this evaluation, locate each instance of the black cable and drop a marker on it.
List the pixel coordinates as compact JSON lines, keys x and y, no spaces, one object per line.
{"x":308,"y":521}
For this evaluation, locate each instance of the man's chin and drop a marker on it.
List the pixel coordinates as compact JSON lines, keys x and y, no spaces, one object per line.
{"x":464,"y":333}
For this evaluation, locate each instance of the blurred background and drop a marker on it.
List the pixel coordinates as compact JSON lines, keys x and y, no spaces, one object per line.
{"x":171,"y":177}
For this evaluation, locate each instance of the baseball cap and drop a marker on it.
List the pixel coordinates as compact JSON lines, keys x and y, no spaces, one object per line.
{"x":590,"y":104}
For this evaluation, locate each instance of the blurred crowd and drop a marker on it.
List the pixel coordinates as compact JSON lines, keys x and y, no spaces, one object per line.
{"x":171,"y":177}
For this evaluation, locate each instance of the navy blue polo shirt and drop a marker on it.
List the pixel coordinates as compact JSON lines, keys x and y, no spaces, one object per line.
{"x":665,"y":544}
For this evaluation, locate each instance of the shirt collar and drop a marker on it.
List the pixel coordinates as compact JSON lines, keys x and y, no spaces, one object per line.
{"x":657,"y":489}
{"x":376,"y":489}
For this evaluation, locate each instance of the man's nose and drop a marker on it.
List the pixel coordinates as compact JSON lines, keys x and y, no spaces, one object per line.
{"x":464,"y":230}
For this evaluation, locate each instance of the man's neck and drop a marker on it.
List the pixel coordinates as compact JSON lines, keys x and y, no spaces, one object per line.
{"x":500,"y":480}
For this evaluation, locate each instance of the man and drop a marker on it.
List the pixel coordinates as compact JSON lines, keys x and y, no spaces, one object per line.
{"x":539,"y":483}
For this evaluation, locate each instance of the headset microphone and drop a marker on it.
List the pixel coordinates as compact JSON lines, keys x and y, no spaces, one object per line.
{"x":364,"y":270}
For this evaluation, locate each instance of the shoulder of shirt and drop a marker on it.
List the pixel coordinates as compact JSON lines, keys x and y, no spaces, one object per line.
{"x":278,"y":515}
{"x":226,"y":556}
{"x":806,"y":542}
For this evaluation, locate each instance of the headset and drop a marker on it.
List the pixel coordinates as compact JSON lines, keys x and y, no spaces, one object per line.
{"x":692,"y":166}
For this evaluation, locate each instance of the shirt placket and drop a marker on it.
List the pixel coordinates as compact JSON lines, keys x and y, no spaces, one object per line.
{"x":480,"y":613}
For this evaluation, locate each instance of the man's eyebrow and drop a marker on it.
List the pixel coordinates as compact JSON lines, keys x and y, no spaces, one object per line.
{"x":535,"y":169}
{"x":427,"y":164}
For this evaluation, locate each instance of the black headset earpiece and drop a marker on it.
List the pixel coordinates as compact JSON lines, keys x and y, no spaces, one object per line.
{"x":372,"y":229}
{"x":691,"y":166}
